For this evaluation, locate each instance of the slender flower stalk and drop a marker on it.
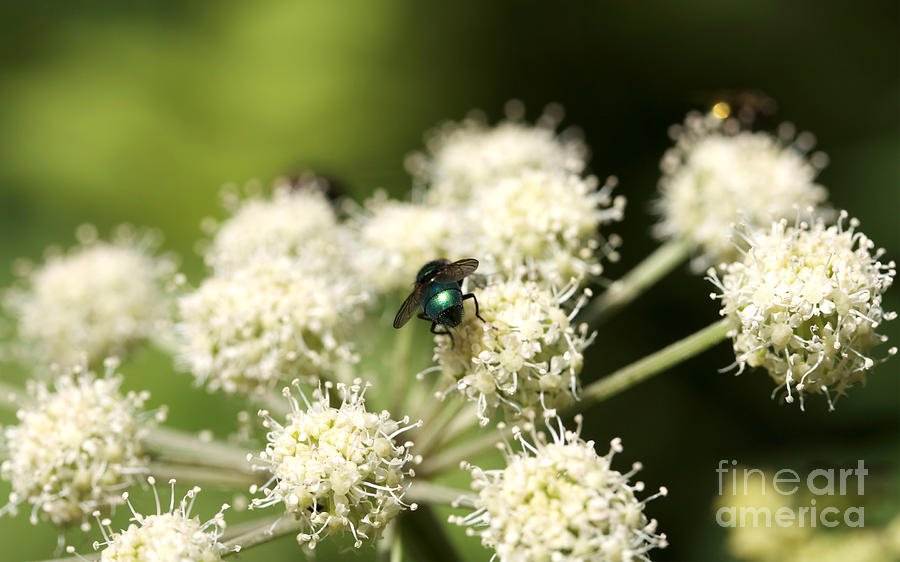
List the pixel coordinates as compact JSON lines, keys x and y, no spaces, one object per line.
{"x":644,"y":275}
{"x":655,"y":363}
{"x":187,"y":448}
{"x":596,"y":392}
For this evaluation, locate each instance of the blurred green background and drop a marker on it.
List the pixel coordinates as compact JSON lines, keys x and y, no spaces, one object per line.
{"x":140,"y":111}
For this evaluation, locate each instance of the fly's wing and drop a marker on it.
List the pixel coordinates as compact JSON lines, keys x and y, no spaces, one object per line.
{"x":455,"y":271}
{"x":408,"y":307}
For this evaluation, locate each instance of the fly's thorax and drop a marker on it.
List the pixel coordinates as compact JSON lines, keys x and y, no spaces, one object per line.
{"x":443,"y":303}
{"x":429,"y":268}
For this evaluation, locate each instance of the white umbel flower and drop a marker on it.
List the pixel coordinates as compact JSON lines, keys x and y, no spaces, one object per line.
{"x":251,"y":329}
{"x":543,"y":224}
{"x":462,"y":157}
{"x":561,"y":501}
{"x":290,"y":221}
{"x":98,"y":299}
{"x":397,"y":238}
{"x":806,"y":300}
{"x":337,"y":469}
{"x":76,"y":448}
{"x":526,"y":358}
{"x":173,"y":536}
{"x":717,"y":175}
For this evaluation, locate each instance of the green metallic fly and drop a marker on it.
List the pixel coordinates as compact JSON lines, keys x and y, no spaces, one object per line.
{"x":438,"y":290}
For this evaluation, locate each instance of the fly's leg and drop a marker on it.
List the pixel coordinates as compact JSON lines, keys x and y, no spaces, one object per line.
{"x":472,"y":296}
{"x":434,"y":325}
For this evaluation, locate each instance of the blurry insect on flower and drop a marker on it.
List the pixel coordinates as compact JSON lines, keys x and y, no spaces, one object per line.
{"x":560,"y":500}
{"x":77,"y":447}
{"x":806,"y":300}
{"x":717,"y":175}
{"x":98,"y":299}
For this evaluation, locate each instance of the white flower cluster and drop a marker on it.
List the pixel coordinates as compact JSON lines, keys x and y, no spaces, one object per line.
{"x":807,"y":300}
{"x":296,"y":217}
{"x":511,"y":196}
{"x":397,"y":238}
{"x":272,"y":320}
{"x":526,"y":358}
{"x":76,"y":448}
{"x":717,"y":175}
{"x":542,"y":224}
{"x":561,"y":501}
{"x":173,"y":536}
{"x":336,"y":469}
{"x":464,"y":157}
{"x":98,"y":299}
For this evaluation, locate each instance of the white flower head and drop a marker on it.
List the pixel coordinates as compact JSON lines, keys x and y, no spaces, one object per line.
{"x":525,"y":358}
{"x":76,"y":448}
{"x":252,"y":328}
{"x":561,"y":501}
{"x":295,"y":218}
{"x":336,"y":469}
{"x":96,"y":300}
{"x":544,"y":224}
{"x":806,"y":300}
{"x":172,"y":536}
{"x":397,"y":238}
{"x":717,"y":175}
{"x":461,"y":157}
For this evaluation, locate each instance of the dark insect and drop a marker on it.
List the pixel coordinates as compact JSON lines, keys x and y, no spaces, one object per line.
{"x":438,"y":290}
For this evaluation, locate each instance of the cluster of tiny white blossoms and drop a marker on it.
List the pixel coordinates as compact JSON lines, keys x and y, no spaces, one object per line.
{"x":96,"y":300}
{"x":806,"y":300}
{"x":398,"y":237}
{"x":717,"y":175}
{"x":77,"y":447}
{"x":463,"y":157}
{"x":560,"y":501}
{"x":172,"y":536}
{"x":512,"y":195}
{"x":272,"y":320}
{"x":295,"y":218}
{"x":335,"y":469}
{"x":525,"y":357}
{"x":544,"y":224}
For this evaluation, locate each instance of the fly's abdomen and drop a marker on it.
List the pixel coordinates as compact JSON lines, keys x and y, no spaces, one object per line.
{"x":443,"y":303}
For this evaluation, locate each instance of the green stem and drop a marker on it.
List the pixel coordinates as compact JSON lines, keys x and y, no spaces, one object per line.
{"x":653,"y":268}
{"x":385,"y":544}
{"x":423,"y":492}
{"x":654,"y":363}
{"x":433,"y":427}
{"x":192,"y":474}
{"x":401,"y":375}
{"x":185,"y":448}
{"x":260,"y":534}
{"x":234,"y":531}
{"x":463,"y":423}
{"x":598,"y":391}
{"x":396,"y":548}
{"x":450,"y":458}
